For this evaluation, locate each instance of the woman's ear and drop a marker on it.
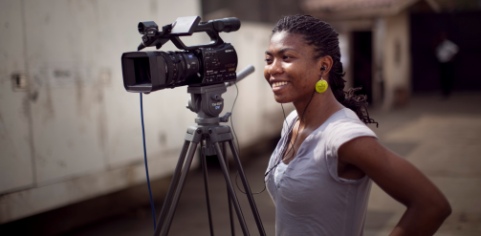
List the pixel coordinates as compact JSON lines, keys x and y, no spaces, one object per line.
{"x":326,"y":64}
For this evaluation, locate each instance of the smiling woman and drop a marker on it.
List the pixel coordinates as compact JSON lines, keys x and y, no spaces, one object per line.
{"x":320,"y":173}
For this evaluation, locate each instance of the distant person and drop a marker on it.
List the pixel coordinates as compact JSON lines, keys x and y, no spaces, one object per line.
{"x":446,"y":51}
{"x":319,"y":175}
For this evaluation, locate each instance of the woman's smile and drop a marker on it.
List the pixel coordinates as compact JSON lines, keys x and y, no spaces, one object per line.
{"x":276,"y":86}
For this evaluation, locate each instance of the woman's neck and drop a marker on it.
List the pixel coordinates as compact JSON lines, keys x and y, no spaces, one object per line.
{"x":315,"y":112}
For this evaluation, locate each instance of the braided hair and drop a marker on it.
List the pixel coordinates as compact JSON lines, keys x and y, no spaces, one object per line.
{"x":324,"y":39}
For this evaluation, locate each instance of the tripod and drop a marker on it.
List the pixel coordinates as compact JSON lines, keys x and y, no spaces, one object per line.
{"x":207,"y":102}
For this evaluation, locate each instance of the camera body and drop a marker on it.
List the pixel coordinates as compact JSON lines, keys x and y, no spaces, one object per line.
{"x":197,"y":65}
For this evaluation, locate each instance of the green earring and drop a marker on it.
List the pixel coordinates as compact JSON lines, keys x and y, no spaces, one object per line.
{"x":321,"y":86}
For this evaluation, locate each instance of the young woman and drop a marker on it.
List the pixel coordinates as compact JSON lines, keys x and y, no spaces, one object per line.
{"x":320,"y":173}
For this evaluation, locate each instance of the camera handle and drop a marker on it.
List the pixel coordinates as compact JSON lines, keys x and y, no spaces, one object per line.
{"x":207,"y":102}
{"x":185,"y":26}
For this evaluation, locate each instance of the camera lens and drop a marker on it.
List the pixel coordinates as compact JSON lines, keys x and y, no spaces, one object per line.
{"x":142,"y":71}
{"x":181,"y":67}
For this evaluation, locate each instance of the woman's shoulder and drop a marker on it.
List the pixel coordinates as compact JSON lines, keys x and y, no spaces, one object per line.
{"x":346,"y":122}
{"x":344,"y":116}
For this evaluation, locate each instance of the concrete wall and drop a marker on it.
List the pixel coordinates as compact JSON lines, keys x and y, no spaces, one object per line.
{"x":391,"y":82}
{"x":68,"y":129}
{"x":395,"y":54}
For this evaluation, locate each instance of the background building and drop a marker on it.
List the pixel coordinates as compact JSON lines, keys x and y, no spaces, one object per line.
{"x":388,"y":46}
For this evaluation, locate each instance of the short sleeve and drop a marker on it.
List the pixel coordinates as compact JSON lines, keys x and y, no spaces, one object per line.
{"x":338,"y":133}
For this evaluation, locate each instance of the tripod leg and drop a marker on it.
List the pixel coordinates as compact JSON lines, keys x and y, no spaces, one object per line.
{"x":230,"y":188}
{"x":229,"y":197}
{"x":173,"y":185}
{"x":206,"y":187}
{"x":175,"y":188}
{"x":247,"y":189}
{"x":185,"y":170}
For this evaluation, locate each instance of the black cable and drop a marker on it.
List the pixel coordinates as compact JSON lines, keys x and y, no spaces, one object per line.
{"x":236,"y":140}
{"x":232,"y":118}
{"x":152,"y":206}
{"x":288,"y":130}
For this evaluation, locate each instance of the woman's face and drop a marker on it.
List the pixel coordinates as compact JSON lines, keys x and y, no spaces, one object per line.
{"x":291,"y":69}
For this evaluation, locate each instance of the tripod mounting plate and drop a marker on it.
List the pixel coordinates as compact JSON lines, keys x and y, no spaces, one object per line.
{"x":207,"y":102}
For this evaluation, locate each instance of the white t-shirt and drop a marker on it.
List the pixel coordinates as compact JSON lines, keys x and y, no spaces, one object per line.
{"x":310,"y":197}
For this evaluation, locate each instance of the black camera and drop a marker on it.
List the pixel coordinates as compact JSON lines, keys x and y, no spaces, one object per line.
{"x":198,"y":65}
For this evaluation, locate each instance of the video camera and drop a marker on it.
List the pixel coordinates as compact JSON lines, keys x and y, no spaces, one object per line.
{"x":199,"y":65}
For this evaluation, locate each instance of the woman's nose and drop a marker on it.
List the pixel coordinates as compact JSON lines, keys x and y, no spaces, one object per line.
{"x":275,"y":67}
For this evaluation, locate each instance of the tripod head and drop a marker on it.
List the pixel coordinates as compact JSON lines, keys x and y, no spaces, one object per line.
{"x":207,"y":101}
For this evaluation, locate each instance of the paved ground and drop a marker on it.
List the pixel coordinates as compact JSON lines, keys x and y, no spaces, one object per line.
{"x":441,"y":137}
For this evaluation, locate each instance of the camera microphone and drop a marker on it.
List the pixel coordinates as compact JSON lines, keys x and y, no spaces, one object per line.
{"x":241,"y":75}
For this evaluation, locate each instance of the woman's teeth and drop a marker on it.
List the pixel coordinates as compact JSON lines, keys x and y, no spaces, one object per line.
{"x":278,"y":84}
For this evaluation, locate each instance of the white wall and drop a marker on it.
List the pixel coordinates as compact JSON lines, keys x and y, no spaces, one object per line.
{"x":74,"y":133}
{"x":15,"y":143}
{"x":395,"y":58}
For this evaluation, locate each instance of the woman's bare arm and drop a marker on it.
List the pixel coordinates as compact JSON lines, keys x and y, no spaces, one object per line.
{"x":427,"y":208}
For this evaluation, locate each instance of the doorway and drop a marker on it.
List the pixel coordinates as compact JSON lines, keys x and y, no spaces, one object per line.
{"x":362,"y":62}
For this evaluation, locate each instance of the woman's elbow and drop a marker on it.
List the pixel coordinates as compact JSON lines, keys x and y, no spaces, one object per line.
{"x":441,"y":209}
{"x":445,"y":210}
